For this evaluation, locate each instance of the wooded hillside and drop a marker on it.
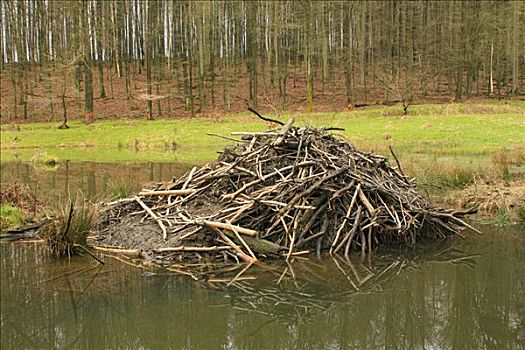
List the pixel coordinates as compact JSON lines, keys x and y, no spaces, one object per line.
{"x":125,"y":58}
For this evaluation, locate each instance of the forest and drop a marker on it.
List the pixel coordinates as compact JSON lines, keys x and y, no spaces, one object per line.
{"x":138,"y":58}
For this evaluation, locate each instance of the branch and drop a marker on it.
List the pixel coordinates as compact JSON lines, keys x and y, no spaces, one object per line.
{"x":395,"y":158}
{"x":264,"y":118}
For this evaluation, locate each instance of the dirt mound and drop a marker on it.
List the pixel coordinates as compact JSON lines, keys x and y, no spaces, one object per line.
{"x":280,"y":193}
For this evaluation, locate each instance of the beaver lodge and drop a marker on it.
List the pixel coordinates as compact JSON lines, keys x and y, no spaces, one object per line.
{"x":277,"y":194}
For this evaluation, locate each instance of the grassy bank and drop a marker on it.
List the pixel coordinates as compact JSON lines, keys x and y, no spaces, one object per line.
{"x":480,"y":128}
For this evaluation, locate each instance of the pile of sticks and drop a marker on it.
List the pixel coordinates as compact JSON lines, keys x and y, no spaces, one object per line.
{"x":283,"y":193}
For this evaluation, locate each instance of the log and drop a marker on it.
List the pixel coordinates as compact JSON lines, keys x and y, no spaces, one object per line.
{"x":192,"y":249}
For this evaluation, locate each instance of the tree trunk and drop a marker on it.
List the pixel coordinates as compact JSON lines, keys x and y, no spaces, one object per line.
{"x":101,"y":78}
{"x":251,"y":48}
{"x":515,"y":44}
{"x":309,"y":57}
{"x":88,"y":92}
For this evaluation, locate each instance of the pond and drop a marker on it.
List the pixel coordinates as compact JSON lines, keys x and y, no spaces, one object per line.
{"x":457,"y":294}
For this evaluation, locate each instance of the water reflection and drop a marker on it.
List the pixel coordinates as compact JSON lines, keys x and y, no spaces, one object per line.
{"x":93,"y":179}
{"x":440,"y":301}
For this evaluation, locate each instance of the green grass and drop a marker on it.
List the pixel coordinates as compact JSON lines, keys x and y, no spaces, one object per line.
{"x":119,"y":189}
{"x":453,"y":129}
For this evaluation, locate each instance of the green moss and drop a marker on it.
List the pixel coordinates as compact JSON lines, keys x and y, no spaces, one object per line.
{"x":10,"y":217}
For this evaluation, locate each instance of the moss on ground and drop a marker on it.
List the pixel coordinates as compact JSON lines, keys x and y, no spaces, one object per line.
{"x":10,"y":217}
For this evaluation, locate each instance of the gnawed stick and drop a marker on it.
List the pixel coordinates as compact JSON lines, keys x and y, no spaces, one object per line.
{"x":264,"y":178}
{"x":313,"y":188}
{"x":154,"y":216}
{"x":282,"y":133}
{"x":167,"y":192}
{"x":190,"y":176}
{"x":397,"y":160}
{"x":248,"y":259}
{"x":223,"y":137}
{"x":447,"y":215}
{"x":89,"y":253}
{"x":363,"y":241}
{"x":254,"y":133}
{"x":302,"y":252}
{"x":227,"y":280}
{"x":119,"y":201}
{"x":354,"y":197}
{"x":232,"y":228}
{"x":280,"y":204}
{"x":350,"y":235}
{"x":266,"y":119}
{"x":216,"y":224}
{"x":135,"y":253}
{"x":366,"y":202}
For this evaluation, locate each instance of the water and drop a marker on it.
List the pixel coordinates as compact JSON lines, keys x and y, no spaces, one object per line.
{"x":95,"y":180}
{"x":475,"y":303}
{"x":460,"y":294}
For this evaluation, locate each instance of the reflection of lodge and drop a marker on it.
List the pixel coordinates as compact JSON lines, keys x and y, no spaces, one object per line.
{"x":449,"y":302}
{"x":302,"y":285}
{"x":294,"y":288}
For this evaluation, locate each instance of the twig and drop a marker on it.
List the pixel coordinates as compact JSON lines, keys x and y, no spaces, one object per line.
{"x":167,"y":192}
{"x":89,"y":253}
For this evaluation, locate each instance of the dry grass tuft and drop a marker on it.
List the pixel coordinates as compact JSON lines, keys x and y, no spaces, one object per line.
{"x":494,"y":198}
{"x":70,"y":226}
{"x":514,"y":156}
